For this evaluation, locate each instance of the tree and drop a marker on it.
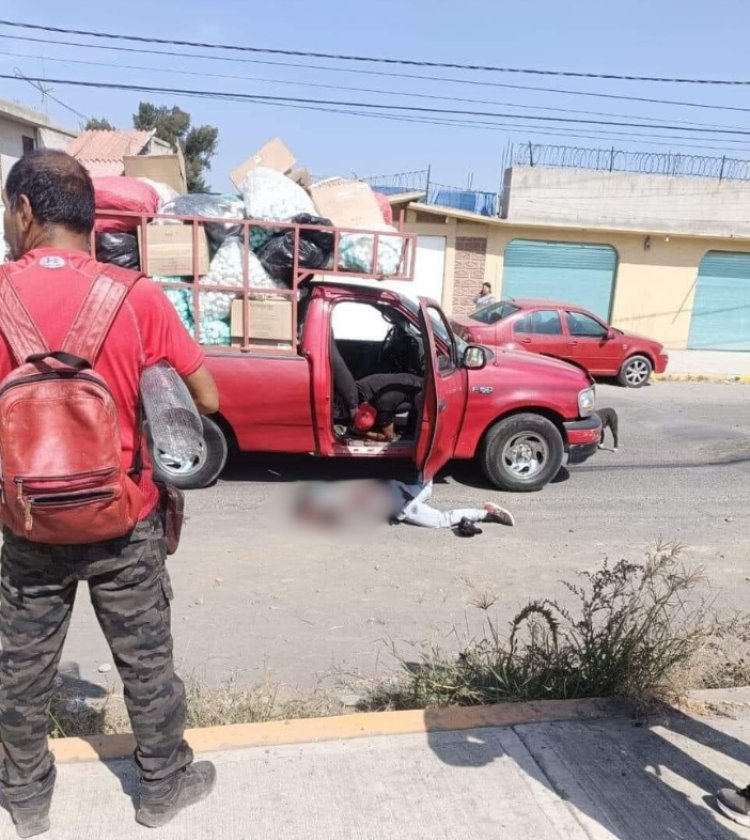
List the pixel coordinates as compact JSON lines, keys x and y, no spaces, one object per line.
{"x":97,"y":124}
{"x":173,"y":125}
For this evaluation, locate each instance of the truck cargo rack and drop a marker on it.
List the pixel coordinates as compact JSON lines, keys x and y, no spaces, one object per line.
{"x":195,"y":282}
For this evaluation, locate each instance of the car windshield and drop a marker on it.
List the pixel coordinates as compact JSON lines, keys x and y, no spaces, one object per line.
{"x":494,"y":312}
{"x":438,"y":327}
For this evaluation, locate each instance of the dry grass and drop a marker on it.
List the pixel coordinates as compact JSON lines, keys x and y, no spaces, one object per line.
{"x":74,"y":715}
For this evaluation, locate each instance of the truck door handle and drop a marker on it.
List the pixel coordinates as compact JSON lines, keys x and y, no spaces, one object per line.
{"x":573,"y":343}
{"x":525,"y":341}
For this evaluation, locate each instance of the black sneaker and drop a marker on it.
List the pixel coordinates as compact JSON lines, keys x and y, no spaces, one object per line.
{"x":191,"y":785}
{"x":31,"y":816}
{"x":466,"y":528}
{"x":735,"y":804}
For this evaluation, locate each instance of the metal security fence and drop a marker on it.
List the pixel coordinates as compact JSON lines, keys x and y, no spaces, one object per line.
{"x":617,"y":160}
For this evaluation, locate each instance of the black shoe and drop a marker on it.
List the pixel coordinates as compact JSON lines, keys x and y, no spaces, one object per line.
{"x":466,"y":528}
{"x":735,"y":804}
{"x":31,"y":816}
{"x":192,"y":785}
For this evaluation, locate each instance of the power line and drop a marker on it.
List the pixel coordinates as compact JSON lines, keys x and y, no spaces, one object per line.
{"x":379,"y":91}
{"x":372,"y":105}
{"x":370,"y":59}
{"x":384,"y":74}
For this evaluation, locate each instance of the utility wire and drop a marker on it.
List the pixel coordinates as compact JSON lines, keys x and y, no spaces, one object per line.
{"x":382,"y":73}
{"x":368,"y":105}
{"x":369,"y":59}
{"x":378,"y":91}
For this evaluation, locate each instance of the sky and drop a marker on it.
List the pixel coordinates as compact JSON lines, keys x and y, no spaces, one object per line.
{"x":692,"y":39}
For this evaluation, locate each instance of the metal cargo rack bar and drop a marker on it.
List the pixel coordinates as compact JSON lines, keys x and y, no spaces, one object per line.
{"x":247,"y":293}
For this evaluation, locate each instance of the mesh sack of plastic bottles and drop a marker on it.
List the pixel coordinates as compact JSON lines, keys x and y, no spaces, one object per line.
{"x":356,"y":252}
{"x":181,"y":299}
{"x":210,"y":206}
{"x":271,"y":196}
{"x":173,"y":420}
{"x":225,"y":269}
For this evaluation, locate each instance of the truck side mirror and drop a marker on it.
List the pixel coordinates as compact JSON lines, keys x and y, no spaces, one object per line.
{"x":475,"y":357}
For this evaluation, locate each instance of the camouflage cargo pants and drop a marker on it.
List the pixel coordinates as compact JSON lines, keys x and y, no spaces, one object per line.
{"x":130,"y":591}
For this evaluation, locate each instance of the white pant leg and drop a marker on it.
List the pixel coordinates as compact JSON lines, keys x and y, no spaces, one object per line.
{"x":419,"y":513}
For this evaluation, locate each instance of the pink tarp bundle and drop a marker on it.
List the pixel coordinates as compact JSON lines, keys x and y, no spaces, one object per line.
{"x":119,"y":192}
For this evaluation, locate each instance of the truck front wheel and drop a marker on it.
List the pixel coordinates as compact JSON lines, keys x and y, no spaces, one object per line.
{"x":522,"y":453}
{"x":197,"y":472}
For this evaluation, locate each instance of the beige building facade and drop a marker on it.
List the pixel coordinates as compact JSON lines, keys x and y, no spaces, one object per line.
{"x":655,"y":276}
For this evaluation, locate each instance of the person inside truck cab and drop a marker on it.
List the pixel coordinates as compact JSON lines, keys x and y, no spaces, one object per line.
{"x":384,"y":394}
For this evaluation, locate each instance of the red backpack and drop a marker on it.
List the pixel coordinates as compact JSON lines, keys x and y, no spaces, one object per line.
{"x":60,"y":453}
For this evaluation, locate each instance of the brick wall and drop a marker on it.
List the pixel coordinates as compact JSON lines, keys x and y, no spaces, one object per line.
{"x":468,"y":274}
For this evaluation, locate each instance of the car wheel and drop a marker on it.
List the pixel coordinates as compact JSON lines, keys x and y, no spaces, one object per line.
{"x":522,"y":453}
{"x":635,"y":372}
{"x":197,"y":472}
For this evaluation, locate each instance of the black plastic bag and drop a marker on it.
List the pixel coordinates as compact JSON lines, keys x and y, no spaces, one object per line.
{"x":315,"y":249}
{"x":212,"y":207}
{"x":118,"y":249}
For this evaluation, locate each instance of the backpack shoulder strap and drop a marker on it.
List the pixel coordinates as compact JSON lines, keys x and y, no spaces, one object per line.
{"x":16,"y":324}
{"x":98,"y":311}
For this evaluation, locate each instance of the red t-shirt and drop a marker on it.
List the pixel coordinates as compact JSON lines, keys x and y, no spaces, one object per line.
{"x":146,"y":330}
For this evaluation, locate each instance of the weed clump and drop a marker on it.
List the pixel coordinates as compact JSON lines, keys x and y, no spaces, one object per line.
{"x":632,"y":630}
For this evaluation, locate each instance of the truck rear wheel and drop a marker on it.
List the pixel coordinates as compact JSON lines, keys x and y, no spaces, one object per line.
{"x":522,"y":453}
{"x":198,"y":472}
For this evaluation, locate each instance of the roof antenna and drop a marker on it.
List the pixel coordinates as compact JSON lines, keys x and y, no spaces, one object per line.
{"x":45,"y":90}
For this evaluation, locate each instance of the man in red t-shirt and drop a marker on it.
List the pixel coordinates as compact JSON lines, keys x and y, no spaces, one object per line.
{"x":49,"y":216}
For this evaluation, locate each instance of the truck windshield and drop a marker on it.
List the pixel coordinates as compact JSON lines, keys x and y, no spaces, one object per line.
{"x":438,"y":327}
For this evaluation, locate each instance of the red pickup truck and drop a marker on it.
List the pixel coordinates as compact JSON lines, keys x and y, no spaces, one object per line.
{"x":516,"y":414}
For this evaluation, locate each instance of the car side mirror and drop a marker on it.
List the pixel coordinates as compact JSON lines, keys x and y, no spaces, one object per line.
{"x":611,"y":334}
{"x":475,"y":357}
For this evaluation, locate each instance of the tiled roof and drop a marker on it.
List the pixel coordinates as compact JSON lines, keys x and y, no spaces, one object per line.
{"x":101,"y":152}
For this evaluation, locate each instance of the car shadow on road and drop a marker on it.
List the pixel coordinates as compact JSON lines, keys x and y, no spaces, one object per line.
{"x":616,"y":773}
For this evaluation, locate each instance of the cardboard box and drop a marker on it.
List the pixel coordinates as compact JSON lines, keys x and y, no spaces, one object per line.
{"x":168,"y":169}
{"x":270,"y":321}
{"x":347,"y":203}
{"x":274,"y":155}
{"x":170,"y":250}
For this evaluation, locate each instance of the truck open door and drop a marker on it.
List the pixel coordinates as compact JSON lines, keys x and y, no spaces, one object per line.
{"x":445,"y":385}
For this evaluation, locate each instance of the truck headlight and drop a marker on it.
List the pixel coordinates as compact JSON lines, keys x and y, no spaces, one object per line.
{"x":586,"y":399}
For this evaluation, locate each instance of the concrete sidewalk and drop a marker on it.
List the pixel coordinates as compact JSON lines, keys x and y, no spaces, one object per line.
{"x":712,"y":364}
{"x":598,"y":779}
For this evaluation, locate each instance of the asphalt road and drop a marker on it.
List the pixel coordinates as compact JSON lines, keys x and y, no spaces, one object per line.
{"x":255,"y":596}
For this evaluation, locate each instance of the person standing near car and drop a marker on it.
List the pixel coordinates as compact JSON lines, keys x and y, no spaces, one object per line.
{"x":485,"y":296}
{"x":49,"y":216}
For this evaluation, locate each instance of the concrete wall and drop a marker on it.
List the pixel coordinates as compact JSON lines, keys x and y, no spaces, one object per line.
{"x":655,"y":278}
{"x":625,"y":200}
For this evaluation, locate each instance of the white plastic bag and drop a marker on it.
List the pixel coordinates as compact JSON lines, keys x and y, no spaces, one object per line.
{"x":356,"y":252}
{"x":226,"y":270}
{"x":271,"y":196}
{"x":164,"y":191}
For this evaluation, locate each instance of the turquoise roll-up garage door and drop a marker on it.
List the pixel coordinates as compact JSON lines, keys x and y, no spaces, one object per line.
{"x":572,"y":273}
{"x":721,"y":311}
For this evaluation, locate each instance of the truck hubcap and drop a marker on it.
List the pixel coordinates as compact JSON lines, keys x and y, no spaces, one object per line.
{"x":525,"y":455}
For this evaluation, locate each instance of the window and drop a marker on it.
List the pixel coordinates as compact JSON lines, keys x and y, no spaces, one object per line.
{"x":584,"y":326}
{"x":541,"y":322}
{"x":28,"y":144}
{"x":494,"y":312}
